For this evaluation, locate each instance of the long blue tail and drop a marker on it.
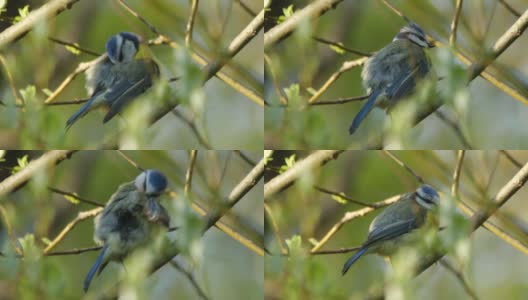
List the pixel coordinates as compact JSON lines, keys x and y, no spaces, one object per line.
{"x":353,"y":259}
{"x":94,"y":268}
{"x":81,"y":112}
{"x":364,"y":111}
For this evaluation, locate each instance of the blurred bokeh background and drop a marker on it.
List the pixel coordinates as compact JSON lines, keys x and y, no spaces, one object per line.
{"x":226,"y":118}
{"x":483,"y":112}
{"x":493,"y":268}
{"x":223,"y":267}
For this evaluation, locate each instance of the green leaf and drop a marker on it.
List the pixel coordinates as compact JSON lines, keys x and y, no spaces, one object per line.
{"x":339,"y":198}
{"x":313,"y":241}
{"x":293,"y":93}
{"x":289,"y":162}
{"x":73,"y":50}
{"x":286,"y":13}
{"x":22,"y":163}
{"x":72,"y":199}
{"x":294,"y":245}
{"x":22,"y":13}
{"x":337,"y":49}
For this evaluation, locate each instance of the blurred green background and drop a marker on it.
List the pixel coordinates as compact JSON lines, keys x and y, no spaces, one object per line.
{"x":495,"y":270}
{"x":302,"y":65}
{"x":222,"y":266}
{"x":228,"y":119}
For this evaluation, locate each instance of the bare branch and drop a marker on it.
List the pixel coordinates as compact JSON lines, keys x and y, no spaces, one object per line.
{"x":315,"y":160}
{"x":34,"y":18}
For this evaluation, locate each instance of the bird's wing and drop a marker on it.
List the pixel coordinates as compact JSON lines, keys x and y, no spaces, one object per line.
{"x":124,"y":93}
{"x":408,"y":81}
{"x":120,"y":194}
{"x":391,"y":231}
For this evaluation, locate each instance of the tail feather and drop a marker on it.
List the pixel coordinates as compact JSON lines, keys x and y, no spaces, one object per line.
{"x":80,"y":113}
{"x":353,"y":259}
{"x":364,"y":111}
{"x":94,"y":268}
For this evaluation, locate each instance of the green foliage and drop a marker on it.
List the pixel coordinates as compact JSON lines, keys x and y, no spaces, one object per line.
{"x":340,"y":199}
{"x":72,"y":49}
{"x":288,"y":163}
{"x":22,"y":163}
{"x":337,"y":49}
{"x":22,"y":13}
{"x":286,"y":13}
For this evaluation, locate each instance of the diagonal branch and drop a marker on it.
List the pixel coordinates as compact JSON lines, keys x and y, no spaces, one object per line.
{"x":46,"y":160}
{"x":45,"y":12}
{"x":314,"y":160}
{"x":311,"y":11}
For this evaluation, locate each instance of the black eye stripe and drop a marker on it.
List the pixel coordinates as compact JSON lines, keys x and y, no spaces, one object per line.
{"x":426,"y":200}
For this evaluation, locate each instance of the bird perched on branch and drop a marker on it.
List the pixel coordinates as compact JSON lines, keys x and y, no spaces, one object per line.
{"x":117,"y":77}
{"x":128,"y":220}
{"x":393,"y":227}
{"x":394,"y":71}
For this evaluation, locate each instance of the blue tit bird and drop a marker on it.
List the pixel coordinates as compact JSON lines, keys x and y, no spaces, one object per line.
{"x":393,"y":226}
{"x":117,"y":77}
{"x":129,"y":219}
{"x":393,"y":72}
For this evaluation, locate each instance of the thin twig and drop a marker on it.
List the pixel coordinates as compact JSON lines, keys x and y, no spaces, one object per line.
{"x":83,"y":66}
{"x":342,"y":195}
{"x":402,"y":164}
{"x":131,"y":161}
{"x":456,"y":174}
{"x":245,"y":158}
{"x":347,"y":65}
{"x":338,"y":45}
{"x":444,"y":262}
{"x":61,"y":192}
{"x":510,"y":8}
{"x":282,"y":98}
{"x":335,"y":251}
{"x":187,"y":120}
{"x":511,"y":158}
{"x":339,"y":101}
{"x":10,"y":233}
{"x":351,"y":215}
{"x":454,"y":23}
{"x":190,"y":23}
{"x":314,"y":160}
{"x":18,"y":100}
{"x":246,"y":8}
{"x":244,"y":186}
{"x":73,"y":251}
{"x":80,"y":217}
{"x":191,"y":278}
{"x":71,"y":102}
{"x":74,"y":45}
{"x":189,"y":174}
{"x":456,"y":128}
{"x":276,"y":230}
